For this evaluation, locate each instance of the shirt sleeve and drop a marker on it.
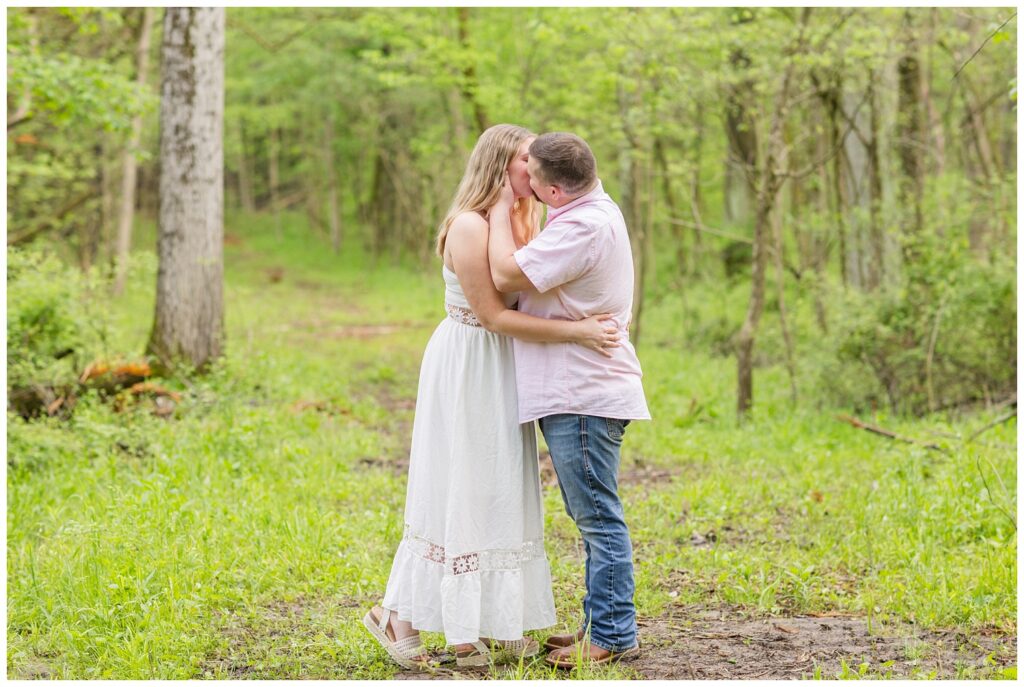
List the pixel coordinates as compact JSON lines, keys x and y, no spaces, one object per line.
{"x":564,"y":251}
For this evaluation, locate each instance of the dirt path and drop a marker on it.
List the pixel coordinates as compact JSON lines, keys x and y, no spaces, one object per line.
{"x":701,"y":643}
{"x":288,"y":640}
{"x":722,"y":643}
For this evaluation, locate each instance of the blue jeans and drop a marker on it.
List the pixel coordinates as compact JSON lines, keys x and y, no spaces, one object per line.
{"x":585,"y":454}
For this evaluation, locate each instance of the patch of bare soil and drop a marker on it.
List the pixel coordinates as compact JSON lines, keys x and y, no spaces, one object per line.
{"x":701,"y":643}
{"x":321,"y":329}
{"x":33,"y":668}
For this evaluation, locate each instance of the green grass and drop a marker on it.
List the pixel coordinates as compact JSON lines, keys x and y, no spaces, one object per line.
{"x":249,"y":531}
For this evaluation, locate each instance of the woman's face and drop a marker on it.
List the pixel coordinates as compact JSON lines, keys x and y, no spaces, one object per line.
{"x":517,"y":171}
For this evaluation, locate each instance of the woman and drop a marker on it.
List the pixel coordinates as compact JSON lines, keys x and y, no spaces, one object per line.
{"x":471,"y":563}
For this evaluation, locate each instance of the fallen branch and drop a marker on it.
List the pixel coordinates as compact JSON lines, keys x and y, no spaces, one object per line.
{"x":995,"y":423}
{"x":888,"y":434}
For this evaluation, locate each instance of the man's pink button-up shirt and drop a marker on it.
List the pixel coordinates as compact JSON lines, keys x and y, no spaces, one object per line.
{"x":580,"y":265}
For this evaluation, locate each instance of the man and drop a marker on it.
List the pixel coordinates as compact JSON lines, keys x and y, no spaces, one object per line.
{"x":580,"y":265}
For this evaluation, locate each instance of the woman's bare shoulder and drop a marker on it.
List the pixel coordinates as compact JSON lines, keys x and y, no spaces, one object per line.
{"x":468,"y":221}
{"x":467,"y":226}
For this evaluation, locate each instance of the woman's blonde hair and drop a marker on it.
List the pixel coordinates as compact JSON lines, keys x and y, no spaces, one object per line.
{"x":485,"y":174}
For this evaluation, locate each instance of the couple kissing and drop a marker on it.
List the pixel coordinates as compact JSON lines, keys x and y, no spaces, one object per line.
{"x":536,"y":335}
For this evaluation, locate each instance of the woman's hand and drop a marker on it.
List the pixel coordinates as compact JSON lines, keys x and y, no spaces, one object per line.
{"x":597,"y":334}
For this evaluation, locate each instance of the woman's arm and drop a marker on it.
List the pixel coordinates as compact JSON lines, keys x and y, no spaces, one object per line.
{"x":467,"y":244}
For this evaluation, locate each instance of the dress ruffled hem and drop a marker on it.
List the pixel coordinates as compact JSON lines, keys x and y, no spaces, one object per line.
{"x":500,"y":603}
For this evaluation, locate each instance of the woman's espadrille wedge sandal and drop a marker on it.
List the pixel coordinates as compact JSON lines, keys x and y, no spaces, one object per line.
{"x":402,"y":651}
{"x":500,"y":652}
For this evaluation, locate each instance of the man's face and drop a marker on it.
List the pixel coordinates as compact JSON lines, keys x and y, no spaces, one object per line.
{"x":545,"y":193}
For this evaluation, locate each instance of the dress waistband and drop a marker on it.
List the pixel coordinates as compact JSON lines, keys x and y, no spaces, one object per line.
{"x":462,"y":315}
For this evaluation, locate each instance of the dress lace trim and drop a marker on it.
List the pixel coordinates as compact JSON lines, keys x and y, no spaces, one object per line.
{"x":488,"y":560}
{"x":463,"y":315}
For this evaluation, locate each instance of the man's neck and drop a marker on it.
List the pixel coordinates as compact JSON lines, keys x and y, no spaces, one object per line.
{"x":579,"y":195}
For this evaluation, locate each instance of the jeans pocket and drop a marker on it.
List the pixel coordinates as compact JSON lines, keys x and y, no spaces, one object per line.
{"x":616,"y":428}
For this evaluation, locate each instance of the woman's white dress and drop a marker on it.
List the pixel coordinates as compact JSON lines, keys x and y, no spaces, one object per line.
{"x":471,"y":563}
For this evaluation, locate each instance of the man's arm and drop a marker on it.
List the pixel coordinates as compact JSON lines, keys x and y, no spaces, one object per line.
{"x":505,"y":271}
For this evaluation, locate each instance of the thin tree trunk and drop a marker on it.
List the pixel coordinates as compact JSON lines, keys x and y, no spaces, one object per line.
{"x":780,"y":283}
{"x":976,"y":120}
{"x":696,"y":197}
{"x":92,"y":222}
{"x":935,"y":130}
{"x":877,"y":272}
{"x":470,"y":86}
{"x":742,"y":148}
{"x":129,"y":167}
{"x":452,"y":101}
{"x":245,"y":192}
{"x":315,"y":176}
{"x":629,"y":174}
{"x":332,"y":184}
{"x":105,"y":241}
{"x":909,"y":145}
{"x":768,"y":189}
{"x":858,"y":172}
{"x":645,"y":243}
{"x":748,"y":331}
{"x":670,"y":201}
{"x":189,"y":322}
{"x":458,"y":122}
{"x":273,"y":173}
{"x":838,"y":196}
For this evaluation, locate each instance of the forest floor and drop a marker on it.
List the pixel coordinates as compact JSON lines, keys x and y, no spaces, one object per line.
{"x":245,"y":535}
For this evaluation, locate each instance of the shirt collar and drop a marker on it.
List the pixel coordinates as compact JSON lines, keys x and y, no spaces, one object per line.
{"x":593,"y":195}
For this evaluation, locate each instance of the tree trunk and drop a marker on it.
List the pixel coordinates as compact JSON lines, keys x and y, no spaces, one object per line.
{"x":742,"y":149}
{"x":780,"y":283}
{"x":670,"y":201}
{"x":382,"y":206}
{"x":631,"y":212}
{"x":837,"y":185}
{"x":979,"y":131}
{"x":644,"y":244}
{"x":107,"y":206}
{"x":768,"y":187}
{"x":332,"y":184}
{"x":470,"y":86}
{"x":857,"y":165}
{"x":458,"y":122}
{"x":748,"y":332}
{"x":696,"y":197}
{"x":630,"y":180}
{"x":909,"y":144}
{"x":129,"y":167}
{"x":935,"y":131}
{"x":92,"y":221}
{"x":316,"y":176}
{"x":876,"y":275}
{"x":273,"y":173}
{"x":189,"y":323}
{"x":245,"y":192}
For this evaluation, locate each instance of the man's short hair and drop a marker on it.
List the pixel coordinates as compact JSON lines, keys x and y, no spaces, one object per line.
{"x":565,"y":160}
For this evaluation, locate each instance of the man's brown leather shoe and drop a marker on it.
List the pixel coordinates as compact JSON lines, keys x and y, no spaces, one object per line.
{"x":566,"y":657}
{"x":555,"y":642}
